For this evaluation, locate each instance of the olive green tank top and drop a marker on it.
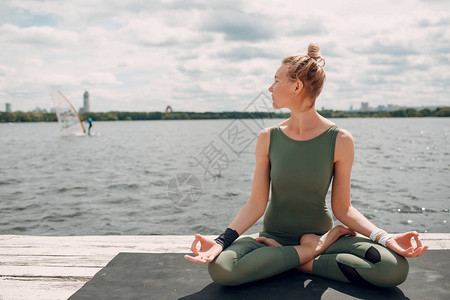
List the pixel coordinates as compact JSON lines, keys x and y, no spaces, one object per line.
{"x":301,"y":173}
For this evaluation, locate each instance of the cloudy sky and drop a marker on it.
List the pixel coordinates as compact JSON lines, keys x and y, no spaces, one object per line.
{"x":142,"y":55}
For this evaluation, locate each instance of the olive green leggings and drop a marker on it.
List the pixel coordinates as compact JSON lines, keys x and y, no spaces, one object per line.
{"x":350,"y":259}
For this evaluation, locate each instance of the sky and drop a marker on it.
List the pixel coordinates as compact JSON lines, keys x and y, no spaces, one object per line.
{"x":142,"y":55}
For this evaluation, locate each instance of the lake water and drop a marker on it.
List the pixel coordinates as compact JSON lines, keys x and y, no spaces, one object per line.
{"x":189,"y":176}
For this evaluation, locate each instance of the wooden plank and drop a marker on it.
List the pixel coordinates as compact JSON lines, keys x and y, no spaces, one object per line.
{"x":39,"y":267}
{"x":39,"y":271}
{"x":26,"y":245}
{"x":18,"y":288}
{"x":54,"y":267}
{"x":55,"y":260}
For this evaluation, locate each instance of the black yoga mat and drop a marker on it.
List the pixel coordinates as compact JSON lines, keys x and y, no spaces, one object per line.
{"x":170,"y":276}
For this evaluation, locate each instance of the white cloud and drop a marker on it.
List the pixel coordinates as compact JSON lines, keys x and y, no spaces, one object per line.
{"x":100,"y":78}
{"x":36,"y":36}
{"x":202,"y":56}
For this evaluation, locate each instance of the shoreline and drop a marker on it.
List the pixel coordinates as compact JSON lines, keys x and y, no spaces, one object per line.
{"x":30,"y":117}
{"x":55,"y":267}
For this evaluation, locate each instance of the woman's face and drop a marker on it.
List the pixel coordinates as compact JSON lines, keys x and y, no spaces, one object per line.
{"x":282,"y":89}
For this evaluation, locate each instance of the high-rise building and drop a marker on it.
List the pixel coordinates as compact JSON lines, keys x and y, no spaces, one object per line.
{"x":8,"y":107}
{"x":392,"y":107}
{"x":364,"y":106}
{"x":381,"y":108}
{"x":86,"y":107}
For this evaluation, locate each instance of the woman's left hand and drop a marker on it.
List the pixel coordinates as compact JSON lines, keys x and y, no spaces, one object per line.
{"x":401,"y":243}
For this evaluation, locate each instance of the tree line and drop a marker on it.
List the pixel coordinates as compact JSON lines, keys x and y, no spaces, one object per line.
{"x":19,"y":116}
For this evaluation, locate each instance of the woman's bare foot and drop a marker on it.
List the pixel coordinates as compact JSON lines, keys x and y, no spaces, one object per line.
{"x":268,"y":241}
{"x":321,"y":243}
{"x":312,"y":245}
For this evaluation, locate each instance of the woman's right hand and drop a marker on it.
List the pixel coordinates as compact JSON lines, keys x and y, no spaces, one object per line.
{"x":401,"y":243}
{"x":209,"y":249}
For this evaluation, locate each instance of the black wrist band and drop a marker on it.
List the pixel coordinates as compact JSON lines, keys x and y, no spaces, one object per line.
{"x":227,"y":238}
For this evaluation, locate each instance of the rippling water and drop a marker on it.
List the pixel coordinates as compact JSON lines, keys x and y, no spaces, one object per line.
{"x":118,"y":182}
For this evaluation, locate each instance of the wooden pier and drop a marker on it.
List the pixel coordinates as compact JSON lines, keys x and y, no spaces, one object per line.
{"x":55,"y":267}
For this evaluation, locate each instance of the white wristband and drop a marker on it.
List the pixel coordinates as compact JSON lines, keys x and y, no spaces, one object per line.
{"x":384,"y":238}
{"x":375,"y":233}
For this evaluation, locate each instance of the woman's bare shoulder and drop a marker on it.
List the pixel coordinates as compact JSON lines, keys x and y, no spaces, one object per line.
{"x":344,"y":145}
{"x":344,"y":135}
{"x":265,"y":133}
{"x":263,"y":141}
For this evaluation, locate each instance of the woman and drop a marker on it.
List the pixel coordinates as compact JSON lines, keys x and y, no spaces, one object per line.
{"x":300,"y":156}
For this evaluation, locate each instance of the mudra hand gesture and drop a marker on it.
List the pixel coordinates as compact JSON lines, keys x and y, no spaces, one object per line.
{"x":209,"y":249}
{"x":401,"y":243}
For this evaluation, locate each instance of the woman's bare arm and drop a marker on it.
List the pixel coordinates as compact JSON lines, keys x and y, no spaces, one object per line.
{"x":350,"y":216}
{"x":340,"y":195}
{"x":256,"y":205}
{"x":250,"y":212}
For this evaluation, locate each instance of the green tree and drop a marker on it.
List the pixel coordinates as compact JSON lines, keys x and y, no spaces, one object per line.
{"x":443,"y":112}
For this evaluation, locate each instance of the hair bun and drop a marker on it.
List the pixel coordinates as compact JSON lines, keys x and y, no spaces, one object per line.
{"x":314,"y":52}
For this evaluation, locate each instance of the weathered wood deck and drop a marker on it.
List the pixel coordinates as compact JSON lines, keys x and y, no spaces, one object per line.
{"x":49,"y":267}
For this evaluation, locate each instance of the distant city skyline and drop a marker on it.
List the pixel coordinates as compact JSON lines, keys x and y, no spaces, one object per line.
{"x":362,"y":108}
{"x":365,"y":107}
{"x":218,"y":56}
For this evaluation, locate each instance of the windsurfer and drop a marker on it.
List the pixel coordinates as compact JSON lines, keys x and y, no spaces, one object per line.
{"x":89,"y":121}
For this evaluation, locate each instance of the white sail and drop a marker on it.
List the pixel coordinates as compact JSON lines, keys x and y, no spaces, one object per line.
{"x":68,"y":118}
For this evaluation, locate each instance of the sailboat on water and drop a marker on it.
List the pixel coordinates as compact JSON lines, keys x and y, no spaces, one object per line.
{"x":68,"y":117}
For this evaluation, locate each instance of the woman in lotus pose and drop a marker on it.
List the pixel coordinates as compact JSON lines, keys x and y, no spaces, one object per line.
{"x":301,"y":156}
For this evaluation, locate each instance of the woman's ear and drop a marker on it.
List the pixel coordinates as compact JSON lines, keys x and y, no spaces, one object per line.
{"x":298,"y":87}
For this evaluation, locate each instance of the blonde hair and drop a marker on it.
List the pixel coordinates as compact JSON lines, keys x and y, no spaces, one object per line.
{"x":308,"y":69}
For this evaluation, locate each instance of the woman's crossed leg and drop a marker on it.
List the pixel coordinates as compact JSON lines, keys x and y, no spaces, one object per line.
{"x":247,"y":259}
